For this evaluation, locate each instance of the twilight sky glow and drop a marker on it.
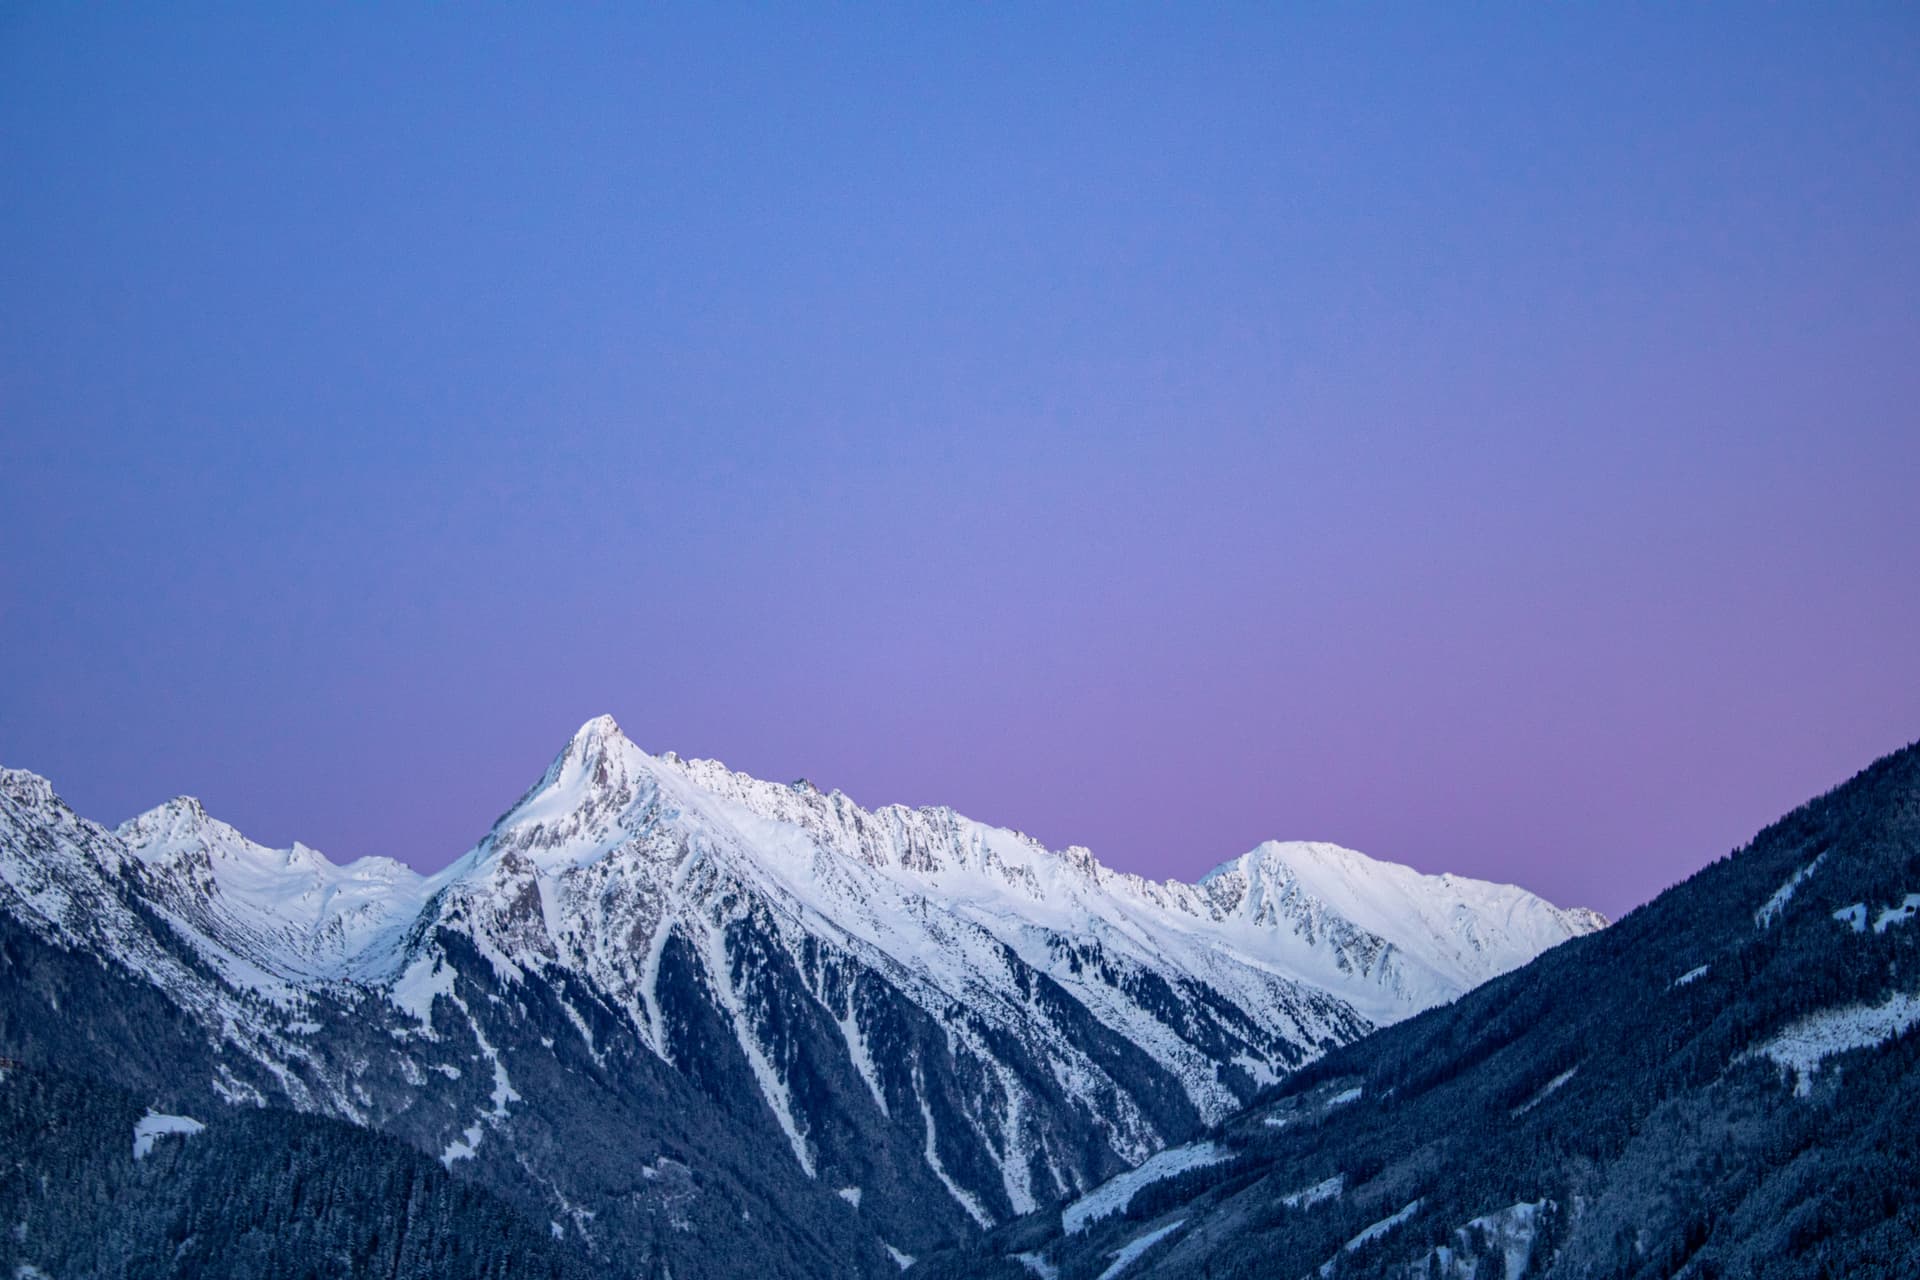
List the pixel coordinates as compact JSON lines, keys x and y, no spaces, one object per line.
{"x":1488,"y":439}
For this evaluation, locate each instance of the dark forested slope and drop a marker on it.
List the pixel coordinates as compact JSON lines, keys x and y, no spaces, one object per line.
{"x":1725,"y":1083}
{"x":254,"y":1193}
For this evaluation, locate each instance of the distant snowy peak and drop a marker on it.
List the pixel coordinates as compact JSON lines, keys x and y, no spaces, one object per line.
{"x":181,"y":837}
{"x":288,"y":912}
{"x":1470,"y":930}
{"x":1385,"y":938}
{"x":178,"y":821}
{"x":182,"y":832}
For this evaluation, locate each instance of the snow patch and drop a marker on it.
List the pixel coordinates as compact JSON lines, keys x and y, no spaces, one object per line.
{"x":901,"y":1260}
{"x":862,"y":1057}
{"x":1038,"y":1265}
{"x":1307,"y":1197}
{"x":1546,"y":1091}
{"x":1512,"y":1231}
{"x":1855,"y":916}
{"x":1897,"y":915}
{"x":1802,"y":1047}
{"x":1124,"y":1256}
{"x":153,"y":1125}
{"x":1116,"y":1193}
{"x":1016,"y":1167}
{"x":1770,"y":909}
{"x":1297,"y":1114}
{"x":414,"y":991}
{"x":461,"y":1148}
{"x":850,"y":1194}
{"x":1691,"y":975}
{"x":1371,"y":1234}
{"x":954,"y":1189}
{"x":579,"y":1025}
{"x":772,"y":1086}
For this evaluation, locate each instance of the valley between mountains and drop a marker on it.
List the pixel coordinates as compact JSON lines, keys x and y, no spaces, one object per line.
{"x":663,"y":1019}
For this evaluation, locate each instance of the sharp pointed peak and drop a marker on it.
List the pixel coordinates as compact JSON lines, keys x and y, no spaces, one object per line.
{"x":577,"y":800}
{"x":592,"y":744}
{"x":602,"y":728}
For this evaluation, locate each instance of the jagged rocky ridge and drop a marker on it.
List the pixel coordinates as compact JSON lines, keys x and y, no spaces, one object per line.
{"x":662,"y":1004}
{"x":1726,"y":1083}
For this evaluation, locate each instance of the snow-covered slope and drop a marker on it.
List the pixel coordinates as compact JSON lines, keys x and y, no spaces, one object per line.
{"x":1386,"y":939}
{"x":1445,"y":933}
{"x":1269,"y":958}
{"x":287,"y":913}
{"x":1726,"y":1083}
{"x":947,"y":1016}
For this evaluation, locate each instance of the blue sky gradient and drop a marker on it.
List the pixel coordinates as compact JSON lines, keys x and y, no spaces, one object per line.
{"x":1487,"y":438}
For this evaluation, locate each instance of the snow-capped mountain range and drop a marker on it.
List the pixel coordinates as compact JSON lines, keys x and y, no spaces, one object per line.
{"x":879,"y":1029}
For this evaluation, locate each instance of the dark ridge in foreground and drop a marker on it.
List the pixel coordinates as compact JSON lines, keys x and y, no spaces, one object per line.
{"x":1724,"y":1084}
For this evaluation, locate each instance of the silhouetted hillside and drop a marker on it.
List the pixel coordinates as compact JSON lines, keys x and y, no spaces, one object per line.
{"x":1725,"y":1083}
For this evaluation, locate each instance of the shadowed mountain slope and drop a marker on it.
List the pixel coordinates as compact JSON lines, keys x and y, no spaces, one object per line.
{"x":94,"y":1182}
{"x":1725,"y":1083}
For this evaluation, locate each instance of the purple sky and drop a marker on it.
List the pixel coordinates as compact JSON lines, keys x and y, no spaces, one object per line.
{"x":1488,"y":439}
